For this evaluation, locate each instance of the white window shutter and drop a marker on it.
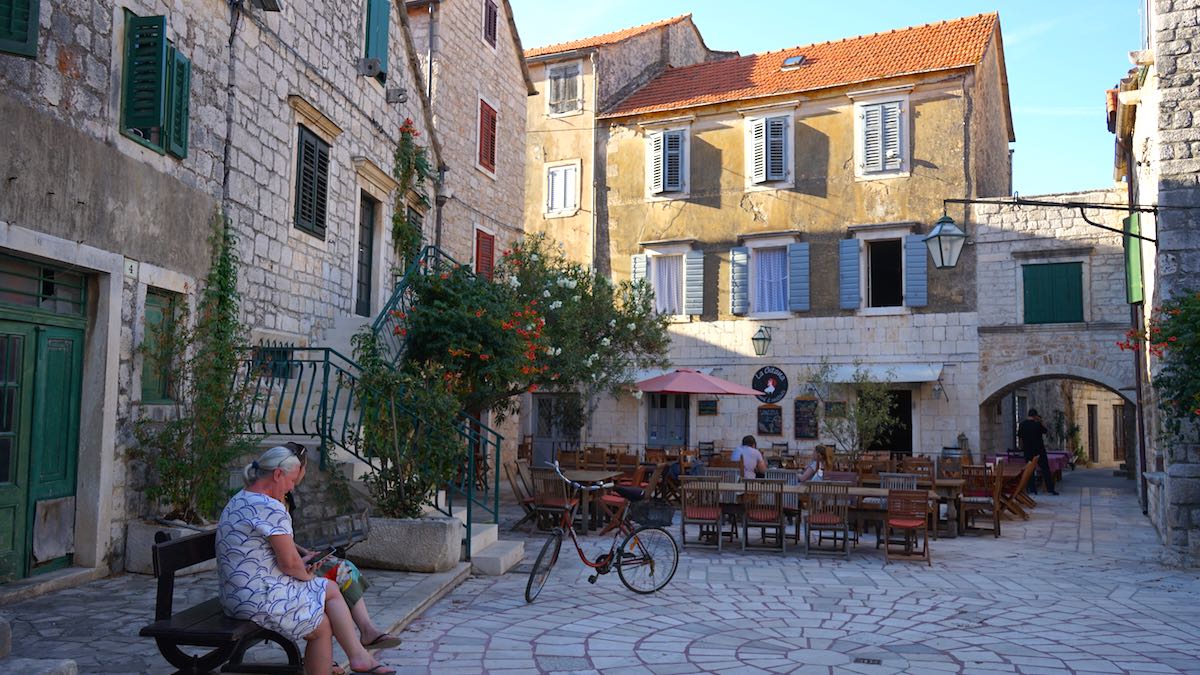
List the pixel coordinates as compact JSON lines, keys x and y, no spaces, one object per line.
{"x":570,"y":187}
{"x":758,"y":150}
{"x":872,"y":139}
{"x":569,"y":89}
{"x":673,"y":161}
{"x":551,"y":189}
{"x":637,"y":267}
{"x":892,"y":129}
{"x":776,"y":148}
{"x":656,"y":162}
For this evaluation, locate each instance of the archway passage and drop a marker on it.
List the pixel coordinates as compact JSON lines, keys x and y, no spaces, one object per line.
{"x":1088,"y":420}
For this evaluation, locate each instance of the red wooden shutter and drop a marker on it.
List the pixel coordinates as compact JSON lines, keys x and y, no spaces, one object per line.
{"x":487,"y":136}
{"x":485,"y":250}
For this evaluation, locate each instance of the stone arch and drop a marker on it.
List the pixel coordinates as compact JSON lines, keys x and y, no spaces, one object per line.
{"x":1003,"y":380}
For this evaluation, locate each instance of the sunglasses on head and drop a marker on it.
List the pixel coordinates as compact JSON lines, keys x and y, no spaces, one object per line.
{"x":298,"y":450}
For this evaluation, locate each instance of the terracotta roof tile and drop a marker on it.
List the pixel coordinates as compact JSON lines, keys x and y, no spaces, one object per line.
{"x":606,"y":39}
{"x":919,"y":49}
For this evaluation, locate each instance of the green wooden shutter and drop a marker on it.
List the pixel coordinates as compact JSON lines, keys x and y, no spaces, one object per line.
{"x":19,"y":27}
{"x":145,"y":72}
{"x":1134,"y":289}
{"x":378,"y":19}
{"x":1053,"y":293}
{"x":179,"y":105}
{"x":312,"y":183}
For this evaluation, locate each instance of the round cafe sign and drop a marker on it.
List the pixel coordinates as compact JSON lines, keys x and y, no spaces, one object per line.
{"x":771,"y":382}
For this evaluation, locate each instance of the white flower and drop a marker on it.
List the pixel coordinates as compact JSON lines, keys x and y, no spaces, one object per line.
{"x":605,"y":342}
{"x":514,"y":282}
{"x":575,"y":298}
{"x":558,"y":351}
{"x":563,"y":282}
{"x":533,"y":257}
{"x":545,"y":294}
{"x":573,"y":283}
{"x":612,"y":324}
{"x":631,"y":326}
{"x":556,"y":304}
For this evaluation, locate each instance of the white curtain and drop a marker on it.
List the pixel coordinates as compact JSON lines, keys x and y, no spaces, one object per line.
{"x":668,"y":291}
{"x":770,"y":280}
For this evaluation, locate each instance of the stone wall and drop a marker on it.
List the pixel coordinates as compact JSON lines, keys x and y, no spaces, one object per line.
{"x":991,"y":161}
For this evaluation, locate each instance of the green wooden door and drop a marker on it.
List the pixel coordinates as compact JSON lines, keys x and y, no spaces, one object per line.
{"x":54,"y":428}
{"x":17,"y":351}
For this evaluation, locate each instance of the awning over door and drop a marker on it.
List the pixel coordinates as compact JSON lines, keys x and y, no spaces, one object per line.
{"x":888,"y":372}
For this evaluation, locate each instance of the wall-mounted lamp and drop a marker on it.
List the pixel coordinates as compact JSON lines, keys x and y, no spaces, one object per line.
{"x":945,"y":242}
{"x":761,"y":340}
{"x":939,"y":391}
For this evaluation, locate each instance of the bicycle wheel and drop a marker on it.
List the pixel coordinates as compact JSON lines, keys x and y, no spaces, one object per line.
{"x":648,"y":559}
{"x":541,"y":567}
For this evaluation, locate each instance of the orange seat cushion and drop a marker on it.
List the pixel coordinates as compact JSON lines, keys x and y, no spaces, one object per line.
{"x":702,"y":512}
{"x":824,"y":519}
{"x":906,"y":523}
{"x":613,"y":500}
{"x":762,"y":515}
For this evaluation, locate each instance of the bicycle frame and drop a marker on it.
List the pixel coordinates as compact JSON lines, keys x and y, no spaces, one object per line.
{"x":624,"y":529}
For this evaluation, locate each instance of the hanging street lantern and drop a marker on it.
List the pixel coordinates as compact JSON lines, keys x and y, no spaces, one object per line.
{"x":761,"y":340}
{"x":945,"y":242}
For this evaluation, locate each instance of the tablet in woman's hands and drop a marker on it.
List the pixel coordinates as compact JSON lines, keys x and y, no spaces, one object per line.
{"x":322,"y":556}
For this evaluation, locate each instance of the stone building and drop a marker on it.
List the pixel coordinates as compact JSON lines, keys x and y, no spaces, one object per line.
{"x":786,"y":194}
{"x":131,"y":127}
{"x":1153,"y":117}
{"x":565,"y":147}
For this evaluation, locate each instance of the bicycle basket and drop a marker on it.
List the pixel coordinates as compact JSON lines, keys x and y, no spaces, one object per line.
{"x":652,"y":513}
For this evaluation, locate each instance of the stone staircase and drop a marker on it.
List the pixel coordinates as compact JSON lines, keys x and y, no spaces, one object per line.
{"x":29,"y":666}
{"x":490,"y":555}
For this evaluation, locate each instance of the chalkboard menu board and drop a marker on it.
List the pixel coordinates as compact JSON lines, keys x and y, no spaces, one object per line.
{"x":770,"y":420}
{"x":706,"y":407}
{"x":806,"y":418}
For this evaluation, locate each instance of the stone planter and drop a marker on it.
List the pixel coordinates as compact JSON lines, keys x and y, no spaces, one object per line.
{"x":410,"y":544}
{"x":139,"y":542}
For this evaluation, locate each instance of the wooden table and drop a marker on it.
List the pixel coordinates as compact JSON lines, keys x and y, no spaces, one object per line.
{"x":590,"y":477}
{"x":948,"y":490}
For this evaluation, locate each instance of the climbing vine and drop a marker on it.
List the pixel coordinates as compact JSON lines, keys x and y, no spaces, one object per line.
{"x":413,"y":172}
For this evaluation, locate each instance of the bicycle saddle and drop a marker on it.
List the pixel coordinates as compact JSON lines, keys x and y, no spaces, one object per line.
{"x":633,"y":494}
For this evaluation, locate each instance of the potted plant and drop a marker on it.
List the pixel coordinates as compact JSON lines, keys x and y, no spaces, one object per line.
{"x":864,"y":409}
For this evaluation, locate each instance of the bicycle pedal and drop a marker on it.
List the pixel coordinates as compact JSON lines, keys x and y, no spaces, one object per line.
{"x":592,"y":579}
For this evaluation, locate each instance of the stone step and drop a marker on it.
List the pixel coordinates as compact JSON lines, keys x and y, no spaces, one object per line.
{"x":39,"y":666}
{"x":498,"y":558}
{"x":483,"y":535}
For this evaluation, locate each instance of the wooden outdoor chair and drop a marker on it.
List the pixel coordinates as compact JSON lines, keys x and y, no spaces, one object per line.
{"x":908,"y":511}
{"x":981,"y":495}
{"x":828,"y":511}
{"x":791,"y":501}
{"x":875,"y":508}
{"x":1010,"y":498}
{"x":550,"y":497}
{"x":950,"y":467}
{"x":521,"y":492}
{"x":614,"y":505}
{"x":850,"y":478}
{"x":595,"y":458}
{"x":728,"y":500}
{"x":700,"y":505}
{"x":568,"y":459}
{"x":628,"y":464}
{"x":706,"y":449}
{"x":763,"y":504}
{"x":656,"y":455}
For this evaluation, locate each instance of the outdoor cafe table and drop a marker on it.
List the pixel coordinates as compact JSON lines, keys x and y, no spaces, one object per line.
{"x":590,"y":477}
{"x":948,"y":490}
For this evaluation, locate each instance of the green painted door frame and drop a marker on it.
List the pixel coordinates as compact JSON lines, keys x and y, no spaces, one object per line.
{"x":17,"y":352}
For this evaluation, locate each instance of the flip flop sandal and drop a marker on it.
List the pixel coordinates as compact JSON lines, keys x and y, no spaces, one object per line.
{"x":384,"y":641}
{"x":379,"y":669}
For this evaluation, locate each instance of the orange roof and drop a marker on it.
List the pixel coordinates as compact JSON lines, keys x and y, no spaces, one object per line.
{"x":606,"y":39}
{"x":920,"y":49}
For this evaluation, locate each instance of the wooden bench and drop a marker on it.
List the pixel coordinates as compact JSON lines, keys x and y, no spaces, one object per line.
{"x":205,"y":625}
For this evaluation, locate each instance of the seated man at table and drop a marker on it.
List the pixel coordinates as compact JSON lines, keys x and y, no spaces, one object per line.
{"x":753,"y":463}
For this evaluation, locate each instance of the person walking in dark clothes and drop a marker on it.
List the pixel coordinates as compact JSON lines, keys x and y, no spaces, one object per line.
{"x":1030,"y":432}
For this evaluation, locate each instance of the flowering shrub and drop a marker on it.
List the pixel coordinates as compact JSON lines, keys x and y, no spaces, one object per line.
{"x":1173,"y":336}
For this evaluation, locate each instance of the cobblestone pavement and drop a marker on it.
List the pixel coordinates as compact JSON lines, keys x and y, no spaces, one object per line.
{"x":1074,"y":589}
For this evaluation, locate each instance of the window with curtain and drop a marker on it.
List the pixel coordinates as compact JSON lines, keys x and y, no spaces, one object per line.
{"x":770,"y":279}
{"x":668,"y":283}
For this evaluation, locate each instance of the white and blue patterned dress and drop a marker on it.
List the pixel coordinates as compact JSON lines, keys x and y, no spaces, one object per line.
{"x":252,"y":585}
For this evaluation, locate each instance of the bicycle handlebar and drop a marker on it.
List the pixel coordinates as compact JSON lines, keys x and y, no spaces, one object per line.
{"x":578,"y":486}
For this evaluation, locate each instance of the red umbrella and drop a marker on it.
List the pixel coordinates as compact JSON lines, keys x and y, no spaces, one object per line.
{"x":685,"y":381}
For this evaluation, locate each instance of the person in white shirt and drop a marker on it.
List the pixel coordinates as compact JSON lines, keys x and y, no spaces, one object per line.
{"x":752,"y":460}
{"x":821,"y":461}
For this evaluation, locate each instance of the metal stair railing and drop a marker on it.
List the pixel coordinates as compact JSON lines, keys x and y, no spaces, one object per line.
{"x":391,"y":320}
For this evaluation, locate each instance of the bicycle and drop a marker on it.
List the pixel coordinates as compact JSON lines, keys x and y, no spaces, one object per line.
{"x":648,"y":555}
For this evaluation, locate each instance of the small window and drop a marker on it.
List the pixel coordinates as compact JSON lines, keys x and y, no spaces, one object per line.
{"x":157,"y":350}
{"x":19,"y":27}
{"x":376,"y":47}
{"x":881,"y":144}
{"x":667,"y":166}
{"x":156,"y":87}
{"x":487,"y":136}
{"x":793,"y":62}
{"x":1053,"y":293}
{"x":564,"y":89}
{"x":485,"y":254}
{"x":312,"y":183}
{"x":666,"y":276}
{"x":885,"y":273}
{"x":491,"y":13}
{"x":562,"y":189}
{"x":770,"y":279}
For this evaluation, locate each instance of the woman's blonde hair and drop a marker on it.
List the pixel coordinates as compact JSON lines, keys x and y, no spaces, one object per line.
{"x":826,"y":455}
{"x":278,"y":457}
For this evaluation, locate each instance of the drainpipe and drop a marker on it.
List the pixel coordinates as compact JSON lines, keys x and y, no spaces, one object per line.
{"x":1135,"y":319}
{"x":442,"y":196}
{"x":429,"y":55}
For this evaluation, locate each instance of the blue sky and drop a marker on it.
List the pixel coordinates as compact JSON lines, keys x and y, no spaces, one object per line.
{"x":1061,"y":56}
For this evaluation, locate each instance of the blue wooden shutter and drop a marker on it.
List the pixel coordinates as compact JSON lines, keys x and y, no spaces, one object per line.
{"x":19,"y":27}
{"x":378,"y":18}
{"x":179,"y":105}
{"x":145,"y":74}
{"x":739,"y":280}
{"x":848,"y":270}
{"x":798,"y":289}
{"x":656,"y":161}
{"x":693,"y":283}
{"x":916,"y":276}
{"x":758,"y":150}
{"x":872,"y":139}
{"x":637,"y":267}
{"x":892,"y":131}
{"x":673,"y":161}
{"x":777,"y":160}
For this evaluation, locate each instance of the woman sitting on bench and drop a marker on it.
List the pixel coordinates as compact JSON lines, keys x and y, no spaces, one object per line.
{"x":263,"y":578}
